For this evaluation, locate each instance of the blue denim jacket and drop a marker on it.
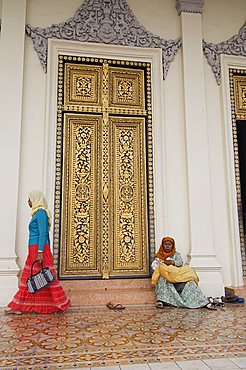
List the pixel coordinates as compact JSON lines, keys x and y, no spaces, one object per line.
{"x":39,"y":230}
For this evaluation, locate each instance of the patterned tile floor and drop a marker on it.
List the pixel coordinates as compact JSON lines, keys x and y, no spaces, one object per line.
{"x":138,"y":337}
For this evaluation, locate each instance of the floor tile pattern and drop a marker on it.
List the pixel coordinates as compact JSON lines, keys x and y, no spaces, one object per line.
{"x":99,"y":337}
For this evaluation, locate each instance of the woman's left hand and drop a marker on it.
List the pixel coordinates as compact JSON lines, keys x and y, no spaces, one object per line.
{"x":40,"y":257}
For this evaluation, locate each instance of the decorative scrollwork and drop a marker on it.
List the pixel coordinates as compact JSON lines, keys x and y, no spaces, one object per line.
{"x":236,"y":45}
{"x":83,"y":87}
{"x":105,"y":173}
{"x":125,"y":90}
{"x":107,"y":22}
{"x":83,"y":83}
{"x":126,"y":193}
{"x":82,"y":192}
{"x":127,"y":250}
{"x":240,"y":96}
{"x":244,"y":97}
{"x":81,"y":250}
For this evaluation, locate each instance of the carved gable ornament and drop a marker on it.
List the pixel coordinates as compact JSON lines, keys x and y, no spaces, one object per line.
{"x":103,"y":21}
{"x":236,"y":45}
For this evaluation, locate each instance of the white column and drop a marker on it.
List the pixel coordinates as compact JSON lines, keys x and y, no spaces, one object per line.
{"x":202,"y":253}
{"x":12,"y":38}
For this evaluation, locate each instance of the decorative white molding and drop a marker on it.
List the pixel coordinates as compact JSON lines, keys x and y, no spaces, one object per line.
{"x":109,"y":22}
{"x":13,"y":15}
{"x":236,"y":45}
{"x":150,"y":55}
{"x":9,"y":272}
{"x":233,"y":222}
{"x":8,"y":266}
{"x":189,"y":6}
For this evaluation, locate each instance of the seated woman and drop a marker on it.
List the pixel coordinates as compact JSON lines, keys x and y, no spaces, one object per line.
{"x":176,"y":292}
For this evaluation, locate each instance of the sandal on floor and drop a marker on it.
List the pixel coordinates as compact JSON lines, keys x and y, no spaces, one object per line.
{"x":159,"y":304}
{"x":234,"y":299}
{"x":13,"y":312}
{"x":112,"y":306}
{"x":211,"y":307}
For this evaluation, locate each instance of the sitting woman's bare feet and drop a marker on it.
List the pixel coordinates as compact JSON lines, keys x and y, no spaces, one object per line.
{"x":13,"y":312}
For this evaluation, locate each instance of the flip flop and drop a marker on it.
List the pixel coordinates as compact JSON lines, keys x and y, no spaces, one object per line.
{"x":211,"y":307}
{"x":159,"y":304}
{"x":233,"y":299}
{"x":12,"y":312}
{"x":112,"y":306}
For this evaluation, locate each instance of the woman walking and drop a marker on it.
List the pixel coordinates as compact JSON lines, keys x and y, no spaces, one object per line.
{"x":52,"y":298}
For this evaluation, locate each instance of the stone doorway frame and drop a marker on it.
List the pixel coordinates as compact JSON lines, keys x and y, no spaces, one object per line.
{"x":152,"y":55}
{"x":228,"y":62}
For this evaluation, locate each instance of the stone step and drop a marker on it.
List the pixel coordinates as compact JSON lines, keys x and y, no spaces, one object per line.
{"x":100,"y":292}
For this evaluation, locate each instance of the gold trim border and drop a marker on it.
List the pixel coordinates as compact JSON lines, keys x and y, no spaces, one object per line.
{"x":233,"y":73}
{"x":149,"y":154}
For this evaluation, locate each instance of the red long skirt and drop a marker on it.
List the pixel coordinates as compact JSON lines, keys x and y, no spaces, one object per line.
{"x":47,"y":300}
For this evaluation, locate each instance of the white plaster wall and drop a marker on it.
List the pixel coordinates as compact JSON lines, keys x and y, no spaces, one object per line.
{"x":221,"y":20}
{"x":32,"y":141}
{"x":40,"y":13}
{"x":158,"y":16}
{"x":161,"y":18}
{"x":44,"y":13}
{"x":176,"y":161}
{"x":11,"y":76}
{"x":218,"y":174}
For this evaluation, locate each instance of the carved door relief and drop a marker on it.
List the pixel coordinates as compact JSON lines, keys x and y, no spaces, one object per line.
{"x":104,"y":209}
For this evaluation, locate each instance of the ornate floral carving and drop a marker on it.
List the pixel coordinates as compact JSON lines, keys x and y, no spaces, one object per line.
{"x":83,"y":84}
{"x":81,"y":249}
{"x":127,"y":252}
{"x":103,"y":21}
{"x":240,"y":96}
{"x":236,"y":45}
{"x":83,"y":87}
{"x":125,"y":90}
{"x":105,"y":174}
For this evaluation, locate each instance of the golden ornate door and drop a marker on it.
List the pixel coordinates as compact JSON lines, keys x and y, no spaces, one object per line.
{"x":104,"y":210}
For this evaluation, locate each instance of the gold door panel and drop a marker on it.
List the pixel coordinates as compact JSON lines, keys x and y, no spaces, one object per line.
{"x":104,"y":208}
{"x":82,"y":86}
{"x":240,"y":95}
{"x":126,"y":88}
{"x":79,"y":204}
{"x":130,"y":251}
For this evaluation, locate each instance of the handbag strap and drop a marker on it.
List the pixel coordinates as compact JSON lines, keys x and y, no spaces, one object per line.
{"x":41,"y":263}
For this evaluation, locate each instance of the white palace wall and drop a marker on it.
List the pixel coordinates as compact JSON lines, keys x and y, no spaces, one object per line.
{"x":24,"y":125}
{"x":221,"y":21}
